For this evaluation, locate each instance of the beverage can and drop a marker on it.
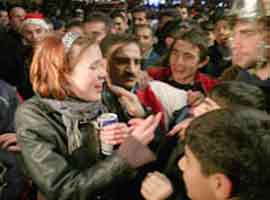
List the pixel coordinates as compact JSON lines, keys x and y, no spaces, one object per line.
{"x":104,"y":120}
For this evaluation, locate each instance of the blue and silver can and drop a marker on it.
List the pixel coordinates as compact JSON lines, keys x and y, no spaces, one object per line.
{"x":104,"y":120}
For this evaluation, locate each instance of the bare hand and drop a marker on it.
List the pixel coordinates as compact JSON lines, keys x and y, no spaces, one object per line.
{"x":144,"y":132}
{"x":8,"y":141}
{"x":129,"y":101}
{"x":194,"y":98}
{"x":156,"y":186}
{"x":115,"y":133}
{"x":180,"y":128}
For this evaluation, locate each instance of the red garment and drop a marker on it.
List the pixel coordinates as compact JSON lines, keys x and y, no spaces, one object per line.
{"x":148,"y":99}
{"x":163,"y":73}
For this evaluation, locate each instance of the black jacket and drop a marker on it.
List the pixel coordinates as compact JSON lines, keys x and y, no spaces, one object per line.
{"x":84,"y":174}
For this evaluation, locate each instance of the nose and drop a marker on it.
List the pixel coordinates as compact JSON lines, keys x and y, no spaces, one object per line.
{"x":102,"y":70}
{"x":235,"y":41}
{"x":131,"y":68}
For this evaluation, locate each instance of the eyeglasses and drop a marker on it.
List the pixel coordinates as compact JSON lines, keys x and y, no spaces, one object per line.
{"x":126,"y":61}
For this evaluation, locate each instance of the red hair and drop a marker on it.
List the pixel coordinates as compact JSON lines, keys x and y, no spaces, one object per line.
{"x":51,"y":66}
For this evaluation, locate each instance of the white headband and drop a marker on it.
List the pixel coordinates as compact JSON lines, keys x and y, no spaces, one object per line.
{"x":69,"y":38}
{"x":34,"y":21}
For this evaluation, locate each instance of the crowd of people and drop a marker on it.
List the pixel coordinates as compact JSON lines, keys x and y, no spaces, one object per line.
{"x":191,"y":92}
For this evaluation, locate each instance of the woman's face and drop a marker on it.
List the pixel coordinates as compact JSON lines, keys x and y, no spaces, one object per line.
{"x":88,"y":74}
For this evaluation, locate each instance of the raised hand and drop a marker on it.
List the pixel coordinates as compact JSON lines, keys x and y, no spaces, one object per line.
{"x":115,"y":133}
{"x":144,"y":132}
{"x":129,"y":101}
{"x":156,"y":186}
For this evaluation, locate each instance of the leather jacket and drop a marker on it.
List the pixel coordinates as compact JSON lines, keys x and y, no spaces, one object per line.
{"x":85,"y":174}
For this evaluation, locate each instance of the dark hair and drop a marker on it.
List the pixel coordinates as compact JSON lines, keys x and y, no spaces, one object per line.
{"x":118,"y":14}
{"x":235,"y":93}
{"x":113,"y":39}
{"x":235,"y":143}
{"x":141,"y":9}
{"x":99,"y":17}
{"x":143,"y":26}
{"x":196,"y":37}
{"x":73,"y":23}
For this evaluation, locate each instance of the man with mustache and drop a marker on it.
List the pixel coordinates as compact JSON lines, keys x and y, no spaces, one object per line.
{"x":134,"y":94}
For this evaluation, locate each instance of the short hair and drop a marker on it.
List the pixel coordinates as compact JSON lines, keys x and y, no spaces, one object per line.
{"x":99,"y":17}
{"x":143,"y":26}
{"x":196,"y":37}
{"x":51,"y":66}
{"x":118,"y":14}
{"x":236,"y":144}
{"x":235,"y":93}
{"x":141,"y":9}
{"x":73,"y":23}
{"x":113,"y":39}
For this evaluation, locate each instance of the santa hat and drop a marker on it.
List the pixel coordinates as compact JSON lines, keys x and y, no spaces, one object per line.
{"x":35,"y":18}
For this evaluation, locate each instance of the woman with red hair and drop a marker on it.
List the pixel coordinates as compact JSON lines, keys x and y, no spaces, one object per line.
{"x":57,"y":128}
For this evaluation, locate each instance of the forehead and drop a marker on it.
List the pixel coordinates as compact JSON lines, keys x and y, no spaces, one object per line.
{"x":97,"y":25}
{"x":130,"y":50}
{"x":32,"y":28}
{"x":222,"y":23}
{"x":118,"y":20}
{"x":144,"y":31}
{"x":140,"y":14}
{"x":245,"y":25}
{"x":17,"y":11}
{"x":185,"y":46}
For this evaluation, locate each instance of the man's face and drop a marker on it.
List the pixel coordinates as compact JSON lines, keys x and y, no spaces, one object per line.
{"x":139,"y":18}
{"x":96,"y":29}
{"x":17,"y":16}
{"x":145,"y":38}
{"x":247,"y":38}
{"x":222,"y":32}
{"x":126,"y":66}
{"x":4,"y":20}
{"x":120,"y":25}
{"x":198,"y":186}
{"x":184,"y":60}
{"x":183,"y":13}
{"x":33,"y":33}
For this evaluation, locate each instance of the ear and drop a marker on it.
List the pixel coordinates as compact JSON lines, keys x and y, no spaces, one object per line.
{"x":221,"y":186}
{"x":204,"y":62}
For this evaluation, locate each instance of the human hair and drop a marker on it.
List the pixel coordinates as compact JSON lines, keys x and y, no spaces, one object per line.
{"x":141,"y":9}
{"x":52,"y":65}
{"x":236,"y":144}
{"x":143,"y":26}
{"x":235,"y":93}
{"x":118,"y":14}
{"x":113,"y":39}
{"x":196,"y":37}
{"x":99,"y":17}
{"x":73,"y":23}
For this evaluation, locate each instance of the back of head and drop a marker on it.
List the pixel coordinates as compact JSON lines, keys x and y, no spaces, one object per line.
{"x":234,"y":143}
{"x":235,"y":93}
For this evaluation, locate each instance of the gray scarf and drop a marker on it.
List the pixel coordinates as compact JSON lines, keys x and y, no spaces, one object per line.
{"x":73,"y":113}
